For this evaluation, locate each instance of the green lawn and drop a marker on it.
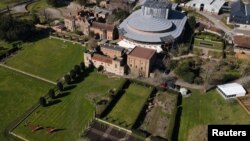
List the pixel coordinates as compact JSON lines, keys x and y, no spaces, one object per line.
{"x":200,"y":110}
{"x":17,"y":94}
{"x":37,"y":6}
{"x":72,"y":114}
{"x":208,"y":44}
{"x":48,"y":58}
{"x":129,"y":106}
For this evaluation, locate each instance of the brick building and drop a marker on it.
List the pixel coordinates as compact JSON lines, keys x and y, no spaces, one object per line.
{"x":86,"y":22}
{"x":112,"y":51}
{"x":111,"y":59}
{"x":105,"y":31}
{"x":241,"y":44}
{"x":70,"y":24}
{"x":140,"y":61}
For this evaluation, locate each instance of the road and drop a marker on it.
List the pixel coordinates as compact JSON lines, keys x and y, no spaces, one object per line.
{"x":217,"y":23}
{"x":28,"y":74}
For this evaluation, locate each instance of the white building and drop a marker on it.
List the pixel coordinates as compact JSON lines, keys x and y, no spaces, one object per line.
{"x":231,"y":90}
{"x":213,"y":6}
{"x":183,"y":91}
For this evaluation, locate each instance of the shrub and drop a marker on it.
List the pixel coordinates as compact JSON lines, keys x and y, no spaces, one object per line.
{"x":51,"y":93}
{"x":100,"y":68}
{"x":198,"y":80}
{"x":42,"y":101}
{"x":188,"y":77}
{"x":67,"y":78}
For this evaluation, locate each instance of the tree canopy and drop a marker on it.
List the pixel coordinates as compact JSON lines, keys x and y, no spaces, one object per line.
{"x":14,"y":29}
{"x":82,"y":2}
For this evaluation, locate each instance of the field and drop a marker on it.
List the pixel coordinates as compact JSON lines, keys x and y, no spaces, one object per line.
{"x":17,"y":94}
{"x":73,"y":112}
{"x":37,"y":6}
{"x":200,"y":110}
{"x":48,"y":58}
{"x":129,"y":106}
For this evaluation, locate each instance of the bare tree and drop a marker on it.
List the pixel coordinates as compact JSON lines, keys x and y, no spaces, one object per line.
{"x":46,"y":15}
{"x":209,"y":70}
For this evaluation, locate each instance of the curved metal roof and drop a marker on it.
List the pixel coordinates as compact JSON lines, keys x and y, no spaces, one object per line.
{"x":149,"y":24}
{"x":152,"y":30}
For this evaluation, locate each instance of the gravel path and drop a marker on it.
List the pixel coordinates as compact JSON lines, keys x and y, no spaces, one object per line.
{"x":28,"y":74}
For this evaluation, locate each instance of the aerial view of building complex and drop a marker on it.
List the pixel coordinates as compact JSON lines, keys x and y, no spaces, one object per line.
{"x":124,"y":70}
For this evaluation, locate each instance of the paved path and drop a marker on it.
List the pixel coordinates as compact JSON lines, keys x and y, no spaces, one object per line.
{"x":243,"y":80}
{"x":28,"y":74}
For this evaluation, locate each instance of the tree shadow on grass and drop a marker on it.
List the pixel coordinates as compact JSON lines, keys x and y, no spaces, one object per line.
{"x":177,"y":119}
{"x":40,"y":34}
{"x":63,"y":94}
{"x":53,"y":102}
{"x":69,"y":87}
{"x":83,"y":75}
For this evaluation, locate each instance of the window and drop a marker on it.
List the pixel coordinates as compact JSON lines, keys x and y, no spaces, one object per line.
{"x":130,"y":65}
{"x":135,"y":66}
{"x":141,"y":68}
{"x":115,"y":65}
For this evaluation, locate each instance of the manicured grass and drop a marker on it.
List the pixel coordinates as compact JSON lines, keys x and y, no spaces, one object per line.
{"x":201,"y":110}
{"x":129,"y":106}
{"x":17,"y":94}
{"x":37,"y":6}
{"x":72,"y":114}
{"x":208,"y":44}
{"x":48,"y":58}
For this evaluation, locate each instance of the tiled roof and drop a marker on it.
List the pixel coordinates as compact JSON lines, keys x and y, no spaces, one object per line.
{"x":102,"y":58}
{"x":141,"y":52}
{"x":242,"y":41}
{"x":102,"y":26}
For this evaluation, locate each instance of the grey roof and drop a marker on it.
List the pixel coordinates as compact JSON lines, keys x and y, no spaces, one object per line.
{"x":240,"y":13}
{"x":209,"y":5}
{"x":152,"y":30}
{"x":157,"y":4}
{"x":113,"y":47}
{"x":149,"y":24}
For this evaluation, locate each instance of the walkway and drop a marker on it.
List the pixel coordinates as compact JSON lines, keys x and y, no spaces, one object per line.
{"x":190,"y":55}
{"x":28,"y":74}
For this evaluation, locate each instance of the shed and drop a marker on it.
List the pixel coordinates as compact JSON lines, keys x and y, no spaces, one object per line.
{"x":231,"y":90}
{"x":183,"y":91}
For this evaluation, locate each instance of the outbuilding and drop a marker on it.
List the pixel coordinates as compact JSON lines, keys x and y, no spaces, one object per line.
{"x":231,"y":90}
{"x":183,"y":91}
{"x":212,"y":6}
